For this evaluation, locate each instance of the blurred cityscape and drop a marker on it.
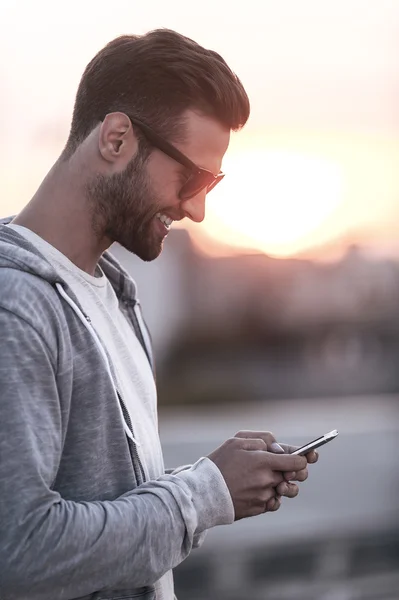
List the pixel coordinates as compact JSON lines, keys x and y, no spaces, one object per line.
{"x":299,"y":348}
{"x":233,"y":327}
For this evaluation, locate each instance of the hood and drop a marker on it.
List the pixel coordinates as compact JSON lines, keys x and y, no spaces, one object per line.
{"x":18,"y":253}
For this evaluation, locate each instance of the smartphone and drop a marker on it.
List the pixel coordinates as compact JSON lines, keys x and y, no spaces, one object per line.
{"x":317,"y":442}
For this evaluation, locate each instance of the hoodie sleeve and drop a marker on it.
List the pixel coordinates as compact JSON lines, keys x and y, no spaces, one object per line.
{"x":53,"y":548}
{"x":211,"y":471}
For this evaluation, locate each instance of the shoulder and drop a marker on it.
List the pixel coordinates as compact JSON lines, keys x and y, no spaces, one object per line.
{"x":30,"y":298}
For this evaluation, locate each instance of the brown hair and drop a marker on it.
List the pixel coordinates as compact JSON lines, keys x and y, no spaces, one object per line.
{"x":156,"y":77}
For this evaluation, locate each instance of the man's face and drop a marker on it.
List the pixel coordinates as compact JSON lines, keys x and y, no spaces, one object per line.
{"x":135,"y":207}
{"x":124,"y":207}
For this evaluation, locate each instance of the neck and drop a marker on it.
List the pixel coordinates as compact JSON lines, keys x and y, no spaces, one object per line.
{"x":62,"y":215}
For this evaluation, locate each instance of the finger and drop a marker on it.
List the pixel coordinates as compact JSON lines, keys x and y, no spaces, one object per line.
{"x":282,"y":488}
{"x":289,"y":490}
{"x":252,"y":444}
{"x":288,"y":449}
{"x":273,"y":504}
{"x":285,"y":462}
{"x":263,"y":503}
{"x":268,"y":496}
{"x":267,"y":436}
{"x":301,"y":475}
{"x":311,"y":456}
{"x":275,"y":447}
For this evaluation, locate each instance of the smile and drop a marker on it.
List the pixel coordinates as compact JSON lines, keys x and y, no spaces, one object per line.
{"x":167,"y":221}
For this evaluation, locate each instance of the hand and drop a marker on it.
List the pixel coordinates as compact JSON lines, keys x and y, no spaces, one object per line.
{"x":286,"y":487}
{"x":252,"y":473}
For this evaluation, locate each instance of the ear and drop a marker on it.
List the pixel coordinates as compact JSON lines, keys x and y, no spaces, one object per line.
{"x":117,"y":141}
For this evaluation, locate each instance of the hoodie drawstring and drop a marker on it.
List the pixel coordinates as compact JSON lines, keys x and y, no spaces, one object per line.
{"x":99,"y":345}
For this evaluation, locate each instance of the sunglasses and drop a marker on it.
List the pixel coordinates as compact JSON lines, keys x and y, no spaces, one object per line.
{"x":198,"y":179}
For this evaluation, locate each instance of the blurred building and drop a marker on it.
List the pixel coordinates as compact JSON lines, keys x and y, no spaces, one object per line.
{"x":232,"y":325}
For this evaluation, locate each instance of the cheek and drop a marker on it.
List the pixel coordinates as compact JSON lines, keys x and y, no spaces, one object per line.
{"x":163,"y":178}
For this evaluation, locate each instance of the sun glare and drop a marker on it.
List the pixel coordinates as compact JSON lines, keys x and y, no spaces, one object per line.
{"x":274,"y":201}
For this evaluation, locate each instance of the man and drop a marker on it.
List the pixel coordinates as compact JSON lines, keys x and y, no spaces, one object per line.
{"x":87,"y":509}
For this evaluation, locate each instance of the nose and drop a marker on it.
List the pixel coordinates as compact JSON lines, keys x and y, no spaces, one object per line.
{"x":194,"y":208}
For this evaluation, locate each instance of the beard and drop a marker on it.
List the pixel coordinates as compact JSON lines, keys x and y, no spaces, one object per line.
{"x":124,"y":207}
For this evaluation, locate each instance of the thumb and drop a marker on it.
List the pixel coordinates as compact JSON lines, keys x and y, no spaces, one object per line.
{"x":286,"y":462}
{"x":275,"y":447}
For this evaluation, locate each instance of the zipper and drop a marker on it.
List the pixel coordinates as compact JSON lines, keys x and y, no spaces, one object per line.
{"x":85,"y":319}
{"x":134,"y":455}
{"x":137,"y":464}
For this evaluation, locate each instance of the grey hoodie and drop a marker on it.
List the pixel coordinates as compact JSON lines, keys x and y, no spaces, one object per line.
{"x":77,"y":519}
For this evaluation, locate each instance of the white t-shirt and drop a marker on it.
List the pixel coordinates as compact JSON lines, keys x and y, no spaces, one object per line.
{"x":130,"y":364}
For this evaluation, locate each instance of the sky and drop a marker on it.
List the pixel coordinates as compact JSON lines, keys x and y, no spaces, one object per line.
{"x":316,"y":165}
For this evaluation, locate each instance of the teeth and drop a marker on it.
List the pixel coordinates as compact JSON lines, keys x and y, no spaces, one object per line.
{"x":167,"y":221}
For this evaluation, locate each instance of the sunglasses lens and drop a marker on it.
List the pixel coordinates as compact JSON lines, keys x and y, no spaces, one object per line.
{"x":197,"y":182}
{"x":194,"y":184}
{"x":216,"y":180}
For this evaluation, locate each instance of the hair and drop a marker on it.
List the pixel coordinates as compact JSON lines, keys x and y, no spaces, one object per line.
{"x":156,"y":77}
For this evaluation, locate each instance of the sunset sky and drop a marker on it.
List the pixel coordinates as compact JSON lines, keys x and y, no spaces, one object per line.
{"x":317,"y":162}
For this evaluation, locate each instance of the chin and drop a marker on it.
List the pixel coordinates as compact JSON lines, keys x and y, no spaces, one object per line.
{"x":146,"y":252}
